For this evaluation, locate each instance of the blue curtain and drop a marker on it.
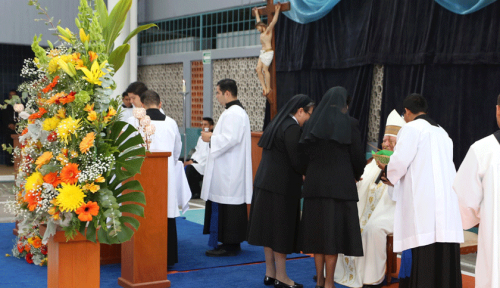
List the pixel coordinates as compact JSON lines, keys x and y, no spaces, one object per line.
{"x":463,"y":7}
{"x":306,"y":11}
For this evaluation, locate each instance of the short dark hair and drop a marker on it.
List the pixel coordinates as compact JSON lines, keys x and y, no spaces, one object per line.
{"x":13,"y":90}
{"x":209,"y":120}
{"x":416,"y":103}
{"x":228,"y":85}
{"x":150,"y":98}
{"x":498,"y":100}
{"x":136,"y":88}
{"x":124,"y":94}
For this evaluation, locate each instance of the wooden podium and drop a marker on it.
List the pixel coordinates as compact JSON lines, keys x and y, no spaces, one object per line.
{"x":144,"y":257}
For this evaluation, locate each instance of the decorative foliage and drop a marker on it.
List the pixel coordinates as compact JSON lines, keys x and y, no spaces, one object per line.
{"x":74,"y":152}
{"x":31,"y":248}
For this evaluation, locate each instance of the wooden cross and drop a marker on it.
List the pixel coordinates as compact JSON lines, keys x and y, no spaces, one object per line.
{"x":269,"y":11}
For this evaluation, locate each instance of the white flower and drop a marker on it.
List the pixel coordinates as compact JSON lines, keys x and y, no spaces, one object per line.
{"x":24,"y":115}
{"x":145,"y":121}
{"x":139,"y":113}
{"x":151,"y":129}
{"x":18,"y":107}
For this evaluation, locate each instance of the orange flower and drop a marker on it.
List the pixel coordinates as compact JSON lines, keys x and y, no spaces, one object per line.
{"x":25,"y":131}
{"x":32,"y":199}
{"x":51,"y":85}
{"x":89,"y":107}
{"x":87,"y":142}
{"x":86,"y":211}
{"x":68,"y":99}
{"x":43,"y":159}
{"x":70,"y":173}
{"x":20,"y":247}
{"x":27,"y":248}
{"x":51,"y":178}
{"x":92,"y":116}
{"x":37,"y":242}
{"x":38,"y":114}
{"x":92,"y":56}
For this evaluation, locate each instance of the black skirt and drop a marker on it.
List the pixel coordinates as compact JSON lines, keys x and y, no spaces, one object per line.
{"x":274,"y":221}
{"x":330,"y":227}
{"x":434,"y":266}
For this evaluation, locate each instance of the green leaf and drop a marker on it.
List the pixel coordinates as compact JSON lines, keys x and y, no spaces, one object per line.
{"x":116,"y":129}
{"x":124,"y":235}
{"x":91,"y":230}
{"x":103,"y":12}
{"x":137,"y":30}
{"x":115,"y":22}
{"x":132,"y":197}
{"x":133,"y":185}
{"x":103,"y":237}
{"x":131,"y":142}
{"x":130,"y":220}
{"x":133,"y":209}
{"x":117,"y":57}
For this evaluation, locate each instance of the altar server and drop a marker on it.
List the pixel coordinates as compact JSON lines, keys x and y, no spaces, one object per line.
{"x":478,"y":187}
{"x":168,"y":139}
{"x":376,"y":219}
{"x":227,"y":184}
{"x":427,"y":217}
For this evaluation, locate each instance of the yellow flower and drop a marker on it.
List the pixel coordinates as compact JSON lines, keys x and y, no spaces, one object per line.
{"x":37,"y":62}
{"x":53,"y":66}
{"x":87,"y":142}
{"x":34,"y":181}
{"x":94,"y":74}
{"x":50,"y":123}
{"x":43,"y":159}
{"x":70,"y":197}
{"x":53,"y":53}
{"x":111,"y":111}
{"x":67,"y":67}
{"x":84,"y":37}
{"x":92,"y":116}
{"x":89,"y":107}
{"x":91,"y":187}
{"x":7,"y":255}
{"x":100,"y":179}
{"x":66,"y":127}
{"x":73,"y":154}
{"x":61,"y":113}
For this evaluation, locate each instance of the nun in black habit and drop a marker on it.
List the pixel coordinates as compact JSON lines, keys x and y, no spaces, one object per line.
{"x":275,"y":209}
{"x":330,"y":223}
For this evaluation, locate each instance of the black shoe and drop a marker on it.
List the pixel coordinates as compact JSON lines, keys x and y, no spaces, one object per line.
{"x":220,"y":253}
{"x":279,"y":284}
{"x":269,"y":281}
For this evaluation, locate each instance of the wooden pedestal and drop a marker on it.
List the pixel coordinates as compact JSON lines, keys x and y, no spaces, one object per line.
{"x":144,"y":257}
{"x":111,"y":254}
{"x":74,"y":263}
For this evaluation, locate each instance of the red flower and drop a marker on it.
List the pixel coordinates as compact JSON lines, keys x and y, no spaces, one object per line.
{"x":20,"y":247}
{"x":52,"y":136}
{"x":43,"y":249}
{"x":29,"y":258}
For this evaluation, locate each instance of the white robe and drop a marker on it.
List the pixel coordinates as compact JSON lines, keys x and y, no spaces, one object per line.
{"x":422,"y":172}
{"x":127,"y":113}
{"x":228,"y":174}
{"x":376,"y":217}
{"x":200,"y":156}
{"x":478,"y":187}
{"x":168,"y":139}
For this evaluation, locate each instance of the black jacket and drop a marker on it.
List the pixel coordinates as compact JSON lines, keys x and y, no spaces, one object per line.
{"x":333,"y":167}
{"x":281,"y":168}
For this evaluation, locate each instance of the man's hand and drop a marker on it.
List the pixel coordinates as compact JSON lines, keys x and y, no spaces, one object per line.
{"x":277,"y":8}
{"x":205,"y":136}
{"x":386,"y":181}
{"x":190,"y":162}
{"x":380,"y":165}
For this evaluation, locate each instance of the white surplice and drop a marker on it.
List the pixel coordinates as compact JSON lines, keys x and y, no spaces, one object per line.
{"x":478,"y":188}
{"x":200,"y":156}
{"x":168,"y":139}
{"x":422,"y":172}
{"x":376,"y":217}
{"x":127,"y":112}
{"x":228,"y":174}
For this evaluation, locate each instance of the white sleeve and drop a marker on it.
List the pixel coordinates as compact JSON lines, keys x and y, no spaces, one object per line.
{"x":231,"y":134}
{"x":469,"y":189}
{"x":178,"y":143}
{"x":404,"y":153}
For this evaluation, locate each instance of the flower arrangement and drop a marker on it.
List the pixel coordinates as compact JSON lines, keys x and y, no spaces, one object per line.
{"x":145,"y":127}
{"x":31,"y":248}
{"x":74,"y":152}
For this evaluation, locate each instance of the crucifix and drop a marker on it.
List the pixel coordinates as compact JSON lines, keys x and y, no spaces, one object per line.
{"x":268,"y":10}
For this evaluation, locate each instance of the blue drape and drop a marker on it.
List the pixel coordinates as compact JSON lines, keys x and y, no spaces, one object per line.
{"x":306,"y":11}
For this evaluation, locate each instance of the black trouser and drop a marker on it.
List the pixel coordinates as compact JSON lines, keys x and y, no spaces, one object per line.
{"x":194,"y":179}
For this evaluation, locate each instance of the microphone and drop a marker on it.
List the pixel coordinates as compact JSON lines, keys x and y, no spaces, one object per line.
{"x":379,"y":177}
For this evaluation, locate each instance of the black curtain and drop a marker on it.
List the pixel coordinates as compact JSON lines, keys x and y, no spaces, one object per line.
{"x":462,"y":98}
{"x":315,"y":83}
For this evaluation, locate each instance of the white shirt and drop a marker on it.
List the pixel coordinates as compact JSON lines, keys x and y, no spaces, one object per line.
{"x":422,"y":172}
{"x":228,"y":174}
{"x":478,"y":188}
{"x":200,"y":156}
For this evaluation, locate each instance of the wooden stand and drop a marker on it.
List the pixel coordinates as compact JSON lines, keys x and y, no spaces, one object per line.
{"x":144,"y":257}
{"x":74,"y":263}
{"x":111,"y":254}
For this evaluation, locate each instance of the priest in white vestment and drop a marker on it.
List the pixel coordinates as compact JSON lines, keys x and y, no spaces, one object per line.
{"x":427,"y":217}
{"x":376,"y":220}
{"x":227,"y":184}
{"x":478,"y":187}
{"x":127,"y":107}
{"x":168,"y":139}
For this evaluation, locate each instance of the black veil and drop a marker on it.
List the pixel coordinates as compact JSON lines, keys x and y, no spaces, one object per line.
{"x":330,"y":120}
{"x":296,"y":102}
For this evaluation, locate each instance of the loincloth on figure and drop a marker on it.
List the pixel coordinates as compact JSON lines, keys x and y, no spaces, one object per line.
{"x":266,"y":56}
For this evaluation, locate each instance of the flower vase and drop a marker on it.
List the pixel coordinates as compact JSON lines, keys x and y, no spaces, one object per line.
{"x":73,"y":263}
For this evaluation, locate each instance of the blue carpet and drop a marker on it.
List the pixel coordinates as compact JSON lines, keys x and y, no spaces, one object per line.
{"x":193,"y":244}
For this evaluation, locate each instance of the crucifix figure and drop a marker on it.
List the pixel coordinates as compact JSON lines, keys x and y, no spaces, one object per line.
{"x":266,"y":69}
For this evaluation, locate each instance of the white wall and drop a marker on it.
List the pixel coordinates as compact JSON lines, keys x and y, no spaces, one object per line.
{"x":154,"y":10}
{"x":18,"y":25}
